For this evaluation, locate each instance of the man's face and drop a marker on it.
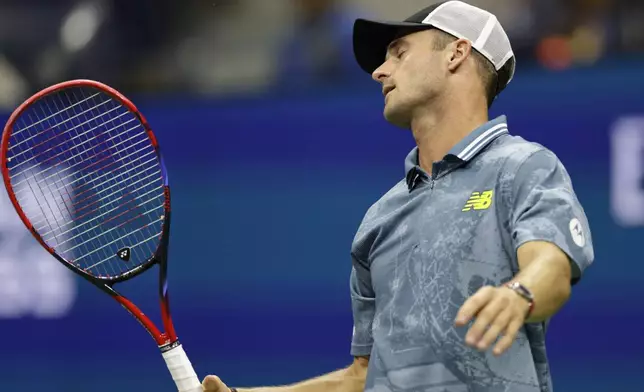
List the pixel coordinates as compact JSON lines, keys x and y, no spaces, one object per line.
{"x":412,"y":76}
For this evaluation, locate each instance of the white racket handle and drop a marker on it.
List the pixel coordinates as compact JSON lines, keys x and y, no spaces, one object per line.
{"x":181,"y":370}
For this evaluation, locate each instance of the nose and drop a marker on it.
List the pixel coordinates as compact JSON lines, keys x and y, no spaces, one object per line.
{"x":380,"y":74}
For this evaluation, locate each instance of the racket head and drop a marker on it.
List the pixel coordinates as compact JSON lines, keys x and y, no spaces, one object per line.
{"x":82,"y":158}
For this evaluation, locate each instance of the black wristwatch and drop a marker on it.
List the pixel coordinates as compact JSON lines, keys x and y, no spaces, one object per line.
{"x":523,"y":292}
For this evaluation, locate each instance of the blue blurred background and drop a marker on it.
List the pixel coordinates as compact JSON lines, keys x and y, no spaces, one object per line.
{"x":276,"y":146}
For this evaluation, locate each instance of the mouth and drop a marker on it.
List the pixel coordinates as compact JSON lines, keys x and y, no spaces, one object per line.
{"x":387,"y":90}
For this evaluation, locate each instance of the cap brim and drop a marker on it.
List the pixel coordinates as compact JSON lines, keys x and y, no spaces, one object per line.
{"x":371,"y":39}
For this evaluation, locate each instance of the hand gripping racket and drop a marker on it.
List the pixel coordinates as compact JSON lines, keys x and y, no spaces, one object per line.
{"x":85,"y":174}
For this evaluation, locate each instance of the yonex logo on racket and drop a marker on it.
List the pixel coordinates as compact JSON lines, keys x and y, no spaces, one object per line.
{"x":124,"y":254}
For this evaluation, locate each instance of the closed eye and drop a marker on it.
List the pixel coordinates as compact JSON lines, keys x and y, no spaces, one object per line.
{"x":396,"y":49}
{"x":401,"y":53}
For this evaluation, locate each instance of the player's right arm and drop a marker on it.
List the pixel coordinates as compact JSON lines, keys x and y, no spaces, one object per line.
{"x":349,"y":379}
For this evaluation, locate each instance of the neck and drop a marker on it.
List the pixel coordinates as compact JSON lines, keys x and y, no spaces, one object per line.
{"x":437,"y":131}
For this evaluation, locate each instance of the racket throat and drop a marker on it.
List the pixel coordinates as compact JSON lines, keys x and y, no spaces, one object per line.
{"x":169,"y":346}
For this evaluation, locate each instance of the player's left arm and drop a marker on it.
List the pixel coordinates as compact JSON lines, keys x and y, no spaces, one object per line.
{"x":549,"y":231}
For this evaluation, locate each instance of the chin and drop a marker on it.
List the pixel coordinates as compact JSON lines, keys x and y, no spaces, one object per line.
{"x":398,"y":118}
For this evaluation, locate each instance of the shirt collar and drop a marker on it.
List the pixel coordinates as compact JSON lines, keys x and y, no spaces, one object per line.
{"x":464,"y":150}
{"x":479,"y":138}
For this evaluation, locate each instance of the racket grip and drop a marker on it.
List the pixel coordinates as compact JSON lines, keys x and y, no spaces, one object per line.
{"x":181,"y":370}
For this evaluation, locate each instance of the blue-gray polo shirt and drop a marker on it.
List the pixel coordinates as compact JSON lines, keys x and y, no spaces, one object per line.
{"x":432,"y":241}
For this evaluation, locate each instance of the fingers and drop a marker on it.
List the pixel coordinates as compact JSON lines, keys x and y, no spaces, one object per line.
{"x":214,"y":384}
{"x":485,"y":318}
{"x":510,"y":334}
{"x":497,"y":312}
{"x":499,"y":325}
{"x":473,"y":305}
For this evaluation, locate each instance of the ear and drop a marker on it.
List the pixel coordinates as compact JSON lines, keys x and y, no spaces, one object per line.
{"x":459,"y":52}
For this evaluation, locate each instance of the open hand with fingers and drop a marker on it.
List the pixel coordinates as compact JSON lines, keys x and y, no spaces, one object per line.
{"x":497,"y":311}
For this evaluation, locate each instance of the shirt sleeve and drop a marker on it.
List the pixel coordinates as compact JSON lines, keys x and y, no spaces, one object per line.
{"x":545,"y":208}
{"x":363,"y":306}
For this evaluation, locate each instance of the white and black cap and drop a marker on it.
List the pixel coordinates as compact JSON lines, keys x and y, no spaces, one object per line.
{"x":371,"y":38}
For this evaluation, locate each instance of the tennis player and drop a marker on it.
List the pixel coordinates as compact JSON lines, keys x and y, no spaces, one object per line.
{"x":459,"y":267}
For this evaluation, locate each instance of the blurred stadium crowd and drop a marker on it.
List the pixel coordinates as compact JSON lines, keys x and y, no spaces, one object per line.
{"x":217,"y":47}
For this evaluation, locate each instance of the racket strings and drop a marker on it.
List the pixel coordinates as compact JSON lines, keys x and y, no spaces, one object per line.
{"x":49,"y":158}
{"x":149,"y":211}
{"x":104,"y":166}
{"x":21,"y":130}
{"x":89,"y":194}
{"x":48,"y":168}
{"x":105,"y":215}
{"x":154,"y":176}
{"x":87,"y":177}
{"x":56,"y":135}
{"x":64,"y":151}
{"x":132,"y":208}
{"x":51,"y":205}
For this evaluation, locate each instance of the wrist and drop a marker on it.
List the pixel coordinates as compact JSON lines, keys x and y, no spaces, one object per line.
{"x":524,"y":293}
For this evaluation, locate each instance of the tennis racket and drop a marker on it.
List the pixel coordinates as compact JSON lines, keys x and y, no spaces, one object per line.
{"x":85,"y":174}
